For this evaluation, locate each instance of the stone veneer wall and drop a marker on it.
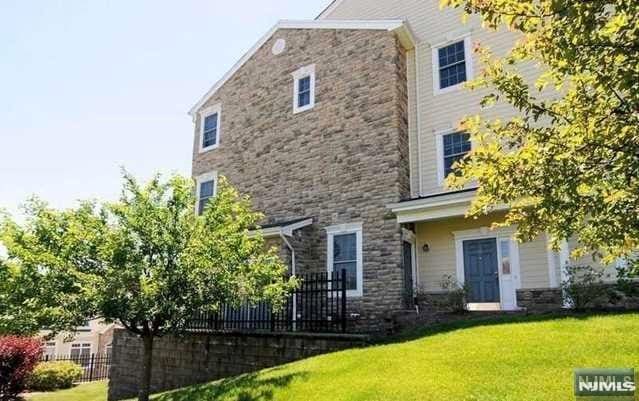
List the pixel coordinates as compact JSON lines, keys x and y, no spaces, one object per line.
{"x":199,"y":358}
{"x":341,"y":162}
{"x":539,"y":299}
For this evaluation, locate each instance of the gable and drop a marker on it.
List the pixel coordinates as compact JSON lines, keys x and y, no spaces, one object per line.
{"x":399,"y":27}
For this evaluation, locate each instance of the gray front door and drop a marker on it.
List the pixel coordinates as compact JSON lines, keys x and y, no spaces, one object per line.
{"x":480,"y":270}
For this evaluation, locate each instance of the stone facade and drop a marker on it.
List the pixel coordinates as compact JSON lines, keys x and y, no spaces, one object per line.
{"x":539,"y":299}
{"x":198,"y":358}
{"x":341,"y":162}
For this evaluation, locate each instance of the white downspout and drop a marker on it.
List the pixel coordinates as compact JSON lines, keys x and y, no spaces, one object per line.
{"x":290,"y":247}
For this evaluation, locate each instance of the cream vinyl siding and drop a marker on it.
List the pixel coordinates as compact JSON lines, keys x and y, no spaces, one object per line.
{"x":431,"y":113}
{"x":610,"y":271}
{"x":440,"y":259}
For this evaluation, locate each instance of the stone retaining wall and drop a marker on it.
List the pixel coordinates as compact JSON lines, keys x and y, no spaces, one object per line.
{"x":539,"y":299}
{"x":199,"y":358}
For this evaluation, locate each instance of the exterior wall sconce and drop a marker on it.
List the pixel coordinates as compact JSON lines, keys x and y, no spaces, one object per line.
{"x":426,"y":248}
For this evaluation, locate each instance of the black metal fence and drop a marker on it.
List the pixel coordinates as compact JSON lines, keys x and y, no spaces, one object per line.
{"x":95,"y":367}
{"x":318,"y":305}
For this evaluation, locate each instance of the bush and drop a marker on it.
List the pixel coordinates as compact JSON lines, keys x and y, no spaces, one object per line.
{"x":584,"y":288}
{"x":48,"y":376}
{"x":18,"y":357}
{"x":456,"y":294}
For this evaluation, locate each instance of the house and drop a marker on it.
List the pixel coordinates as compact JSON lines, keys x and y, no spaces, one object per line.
{"x":342,"y":130}
{"x":94,"y":337}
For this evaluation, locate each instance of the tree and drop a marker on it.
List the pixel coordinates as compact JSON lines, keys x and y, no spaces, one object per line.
{"x":568,"y":164}
{"x":26,"y":304}
{"x":149,"y":261}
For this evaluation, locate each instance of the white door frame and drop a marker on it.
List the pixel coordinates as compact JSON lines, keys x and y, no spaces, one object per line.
{"x":499,"y":235}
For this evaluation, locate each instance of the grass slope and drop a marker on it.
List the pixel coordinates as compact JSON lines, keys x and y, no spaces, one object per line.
{"x":514,"y":359}
{"x":510,"y":359}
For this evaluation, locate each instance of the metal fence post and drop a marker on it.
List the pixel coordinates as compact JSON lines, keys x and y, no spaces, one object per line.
{"x":343,"y":300}
{"x":91,"y":366}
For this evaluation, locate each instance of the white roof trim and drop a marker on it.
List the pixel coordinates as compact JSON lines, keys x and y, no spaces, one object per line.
{"x":282,"y":230}
{"x":454,"y":205}
{"x":391,"y":25}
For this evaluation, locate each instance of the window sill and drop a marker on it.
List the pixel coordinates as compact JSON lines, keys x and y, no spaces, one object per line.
{"x":449,"y":89}
{"x":303,"y":109}
{"x":208,"y":149}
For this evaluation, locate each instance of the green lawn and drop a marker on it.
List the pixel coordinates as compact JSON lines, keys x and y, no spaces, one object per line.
{"x":96,"y":391}
{"x":510,"y":359}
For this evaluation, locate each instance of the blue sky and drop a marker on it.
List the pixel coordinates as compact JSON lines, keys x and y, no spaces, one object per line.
{"x":89,"y":86}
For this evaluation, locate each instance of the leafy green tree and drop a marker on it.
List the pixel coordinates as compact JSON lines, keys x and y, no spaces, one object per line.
{"x":26,"y":305}
{"x":568,"y":164}
{"x":149,"y":261}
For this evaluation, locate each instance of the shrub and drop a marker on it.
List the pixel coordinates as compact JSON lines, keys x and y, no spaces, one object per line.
{"x":456,"y":294}
{"x":584,"y":288}
{"x":18,"y":357}
{"x":626,"y":283}
{"x":48,"y":376}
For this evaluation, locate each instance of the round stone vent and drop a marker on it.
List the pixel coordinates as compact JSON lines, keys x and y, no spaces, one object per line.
{"x":279,"y":46}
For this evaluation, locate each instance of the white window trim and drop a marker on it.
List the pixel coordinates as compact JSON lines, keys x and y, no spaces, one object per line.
{"x":467,"y":58}
{"x":81,"y":345}
{"x":308,"y":71}
{"x":206,"y":113}
{"x":439,"y":145}
{"x":340,"y":229}
{"x":198,"y":181}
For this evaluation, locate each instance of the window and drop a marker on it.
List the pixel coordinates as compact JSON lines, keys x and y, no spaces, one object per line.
{"x":450,"y":149}
{"x":84,"y":327}
{"x":452,"y":65}
{"x":48,"y":350}
{"x":81,"y":353}
{"x":210,"y":128}
{"x":304,"y":92}
{"x":304,"y":89}
{"x":504,"y":248}
{"x":345,"y":253}
{"x":206,"y":187}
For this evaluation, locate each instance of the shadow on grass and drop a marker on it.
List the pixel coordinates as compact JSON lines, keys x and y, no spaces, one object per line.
{"x":474,"y":319}
{"x":248,"y":387}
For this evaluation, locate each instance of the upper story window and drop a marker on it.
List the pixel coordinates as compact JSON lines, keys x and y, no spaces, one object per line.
{"x":345,"y":254}
{"x":210,"y":128}
{"x":452,"y":65}
{"x":451,"y":148}
{"x":206,"y":188}
{"x":304,"y":89}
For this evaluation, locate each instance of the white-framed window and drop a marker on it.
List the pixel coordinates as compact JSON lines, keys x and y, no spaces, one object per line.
{"x":452,"y":65}
{"x":452,"y":146}
{"x":344,"y":243}
{"x":304,"y":89}
{"x":81,"y":353}
{"x":210,"y":128}
{"x":85,"y":326}
{"x":205,"y":190}
{"x":48,"y":350}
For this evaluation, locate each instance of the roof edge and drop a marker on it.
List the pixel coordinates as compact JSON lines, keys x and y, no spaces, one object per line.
{"x":329,"y":9}
{"x":400,"y":27}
